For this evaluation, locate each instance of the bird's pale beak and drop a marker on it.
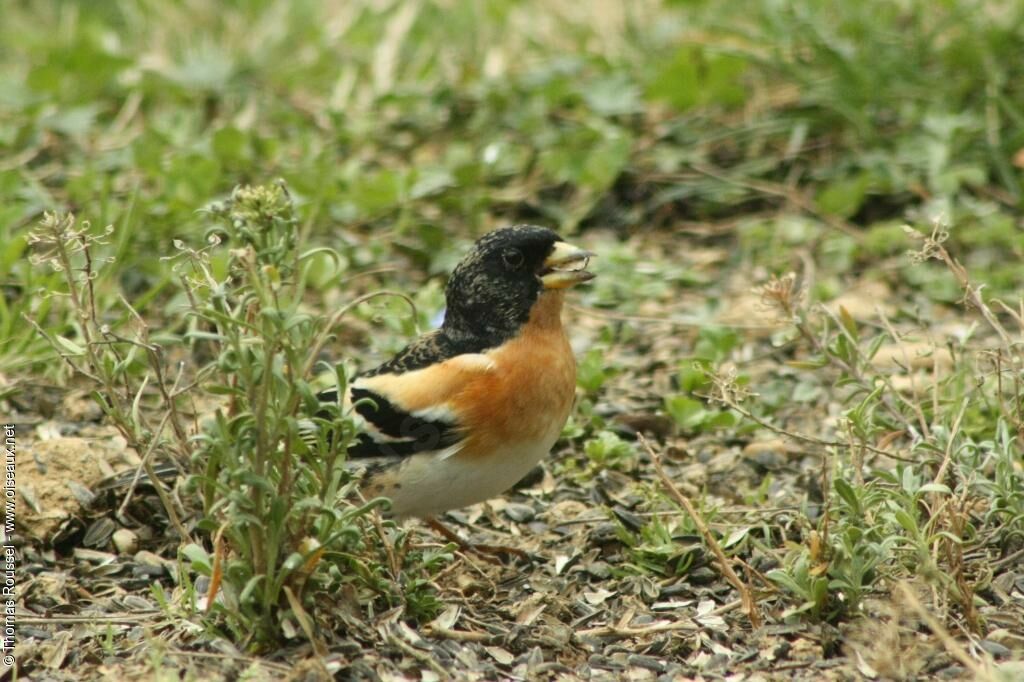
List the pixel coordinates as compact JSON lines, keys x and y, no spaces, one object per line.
{"x":565,"y":267}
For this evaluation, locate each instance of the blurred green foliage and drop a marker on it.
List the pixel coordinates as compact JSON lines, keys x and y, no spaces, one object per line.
{"x":422,"y":120}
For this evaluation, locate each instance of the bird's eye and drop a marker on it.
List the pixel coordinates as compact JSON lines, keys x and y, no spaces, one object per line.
{"x":513,"y":258}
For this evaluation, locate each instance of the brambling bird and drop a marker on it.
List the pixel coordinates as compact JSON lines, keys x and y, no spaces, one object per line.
{"x":465,"y":411}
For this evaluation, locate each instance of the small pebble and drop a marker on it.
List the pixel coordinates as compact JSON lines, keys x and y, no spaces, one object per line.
{"x":995,"y":648}
{"x":147,"y":571}
{"x":136,"y":603}
{"x":648,"y":662}
{"x":519,"y":512}
{"x":152,"y":560}
{"x":605,"y":533}
{"x":701,"y":576}
{"x":145,"y":533}
{"x":604,"y":662}
{"x":125,"y":541}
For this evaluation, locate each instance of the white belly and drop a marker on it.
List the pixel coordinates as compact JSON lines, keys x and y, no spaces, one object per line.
{"x":430,"y":485}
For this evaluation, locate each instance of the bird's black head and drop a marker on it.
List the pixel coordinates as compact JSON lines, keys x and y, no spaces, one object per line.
{"x":493,"y":288}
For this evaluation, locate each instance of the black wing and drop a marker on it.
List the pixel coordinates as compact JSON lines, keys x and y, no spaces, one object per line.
{"x":391,"y":431}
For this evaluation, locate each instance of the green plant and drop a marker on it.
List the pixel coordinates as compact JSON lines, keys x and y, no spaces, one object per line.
{"x":655,"y":549}
{"x":804,"y":581}
{"x":593,"y":369}
{"x":995,"y":465}
{"x":910,"y":518}
{"x":606,"y":449}
{"x":272,"y":482}
{"x":268,"y":464}
{"x":693,"y":416}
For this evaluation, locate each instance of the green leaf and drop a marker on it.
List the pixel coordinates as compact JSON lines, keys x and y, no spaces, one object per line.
{"x":735,"y":537}
{"x":612,"y":96}
{"x":376,"y":192}
{"x":715,"y":343}
{"x":292,"y":562}
{"x":69,"y":346}
{"x":720,"y":419}
{"x":429,"y":181}
{"x":687,"y":412}
{"x":849,"y":496}
{"x":695,"y":76}
{"x":807,"y":364}
{"x":606,"y":160}
{"x":907,"y":521}
{"x":231,"y":145}
{"x":844,"y":197}
{"x":873,"y":347}
{"x":849,"y":324}
{"x":784,"y":579}
{"x":692,"y":378}
{"x":198,"y":558}
{"x":677,"y":82}
{"x":723,"y":82}
{"x":250,"y":588}
{"x":935,"y":488}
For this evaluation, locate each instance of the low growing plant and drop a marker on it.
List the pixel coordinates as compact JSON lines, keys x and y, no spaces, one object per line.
{"x":912,"y":463}
{"x":272,"y":498}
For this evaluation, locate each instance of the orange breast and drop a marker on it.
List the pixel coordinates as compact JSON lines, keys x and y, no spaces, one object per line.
{"x":528,"y":396}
